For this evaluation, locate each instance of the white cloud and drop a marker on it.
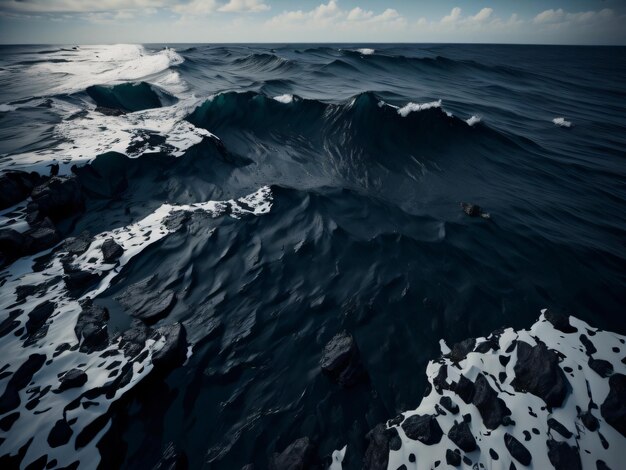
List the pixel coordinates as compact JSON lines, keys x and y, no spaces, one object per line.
{"x":241,"y":6}
{"x":453,"y":17}
{"x":79,"y":6}
{"x":584,"y":17}
{"x":330,"y":14}
{"x":549,"y":16}
{"x":482,"y":15}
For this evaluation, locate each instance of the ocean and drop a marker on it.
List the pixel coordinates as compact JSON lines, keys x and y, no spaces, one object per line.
{"x":317,"y":188}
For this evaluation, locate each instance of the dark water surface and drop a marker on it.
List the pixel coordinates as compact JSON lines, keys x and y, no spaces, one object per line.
{"x":365,"y":233}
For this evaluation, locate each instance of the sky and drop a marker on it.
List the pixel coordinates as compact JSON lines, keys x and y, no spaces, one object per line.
{"x":297,"y":21}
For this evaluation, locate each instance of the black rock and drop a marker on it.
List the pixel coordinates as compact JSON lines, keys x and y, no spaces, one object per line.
{"x":423,"y":428}
{"x":78,"y":281}
{"x":54,"y":169}
{"x":517,"y":450}
{"x":600,"y":465}
{"x":563,"y":456}
{"x":492,"y":409}
{"x":461,"y":435}
{"x":341,"y":360}
{"x":601,"y":367}
{"x":12,"y":243}
{"x":464,"y":388}
{"x":395,"y":442}
{"x":134,"y":339}
{"x":73,"y":378}
{"x":41,"y":238}
{"x":15,"y":186}
{"x":145,"y":301}
{"x":174,"y":352}
{"x":461,"y":350}
{"x":111,"y":251}
{"x":57,"y":198}
{"x":452,"y":458}
{"x":91,"y":327}
{"x":558,"y":427}
{"x":60,"y":434}
{"x":77,"y":245}
{"x":39,"y":315}
{"x":613,"y":409}
{"x":172,"y":459}
{"x":175,"y":220}
{"x":559,"y":321}
{"x":297,"y":456}
{"x":474,"y":210}
{"x":537,"y":371}
{"x":377,"y":452}
{"x":449,"y":405}
{"x":590,"y":421}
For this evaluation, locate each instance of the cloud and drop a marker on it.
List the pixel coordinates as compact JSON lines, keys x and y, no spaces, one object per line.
{"x":80,"y":6}
{"x":330,"y":14}
{"x":242,"y":6}
{"x":583,"y":17}
{"x":195,"y":7}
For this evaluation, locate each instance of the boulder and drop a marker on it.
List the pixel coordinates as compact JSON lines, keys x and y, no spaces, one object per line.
{"x":73,"y":378}
{"x":41,"y":238}
{"x":341,"y":360}
{"x":461,"y":435}
{"x":453,"y":458}
{"x":563,"y":456}
{"x":91,"y":327}
{"x":613,"y":409}
{"x":517,"y":450}
{"x":174,"y":352}
{"x":537,"y":371}
{"x":57,"y":198}
{"x":493,"y":409}
{"x":423,"y":428}
{"x":78,"y":281}
{"x":145,"y":301}
{"x":77,"y":245}
{"x":449,"y":405}
{"x":461,"y":350}
{"x":15,"y":186}
{"x":297,"y":456}
{"x":39,"y":315}
{"x":134,"y":339}
{"x":111,"y":251}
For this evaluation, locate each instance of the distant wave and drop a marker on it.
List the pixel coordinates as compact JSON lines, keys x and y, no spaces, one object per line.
{"x":366,"y":51}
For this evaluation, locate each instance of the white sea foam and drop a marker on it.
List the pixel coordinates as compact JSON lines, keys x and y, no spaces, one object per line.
{"x":415,"y":107}
{"x":81,"y":139}
{"x":561,"y":122}
{"x":473,"y":120}
{"x":80,"y":68}
{"x":5,"y":108}
{"x":366,"y":51}
{"x":36,"y":422}
{"x":286,"y":99}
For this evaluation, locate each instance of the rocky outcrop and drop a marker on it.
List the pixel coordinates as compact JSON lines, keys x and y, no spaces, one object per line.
{"x":341,"y":360}
{"x":537,"y":371}
{"x":111,"y":251}
{"x":91,"y":327}
{"x":57,"y":198}
{"x":613,"y":408}
{"x":144,"y":300}
{"x":174,"y":351}
{"x":423,"y":428}
{"x":15,"y":186}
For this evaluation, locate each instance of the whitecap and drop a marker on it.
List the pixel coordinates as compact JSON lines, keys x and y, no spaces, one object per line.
{"x":285,"y":99}
{"x":415,"y":107}
{"x":5,"y":108}
{"x":561,"y":122}
{"x":366,"y":51}
{"x":473,"y":120}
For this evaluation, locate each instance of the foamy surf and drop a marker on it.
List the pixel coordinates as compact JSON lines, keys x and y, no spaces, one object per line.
{"x":561,"y":122}
{"x":416,"y":107}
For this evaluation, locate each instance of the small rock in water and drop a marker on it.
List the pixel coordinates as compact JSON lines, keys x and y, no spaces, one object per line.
{"x":474,"y":210}
{"x":341,"y":360}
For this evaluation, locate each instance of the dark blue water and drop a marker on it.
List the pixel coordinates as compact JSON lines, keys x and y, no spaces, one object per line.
{"x":366,"y":232}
